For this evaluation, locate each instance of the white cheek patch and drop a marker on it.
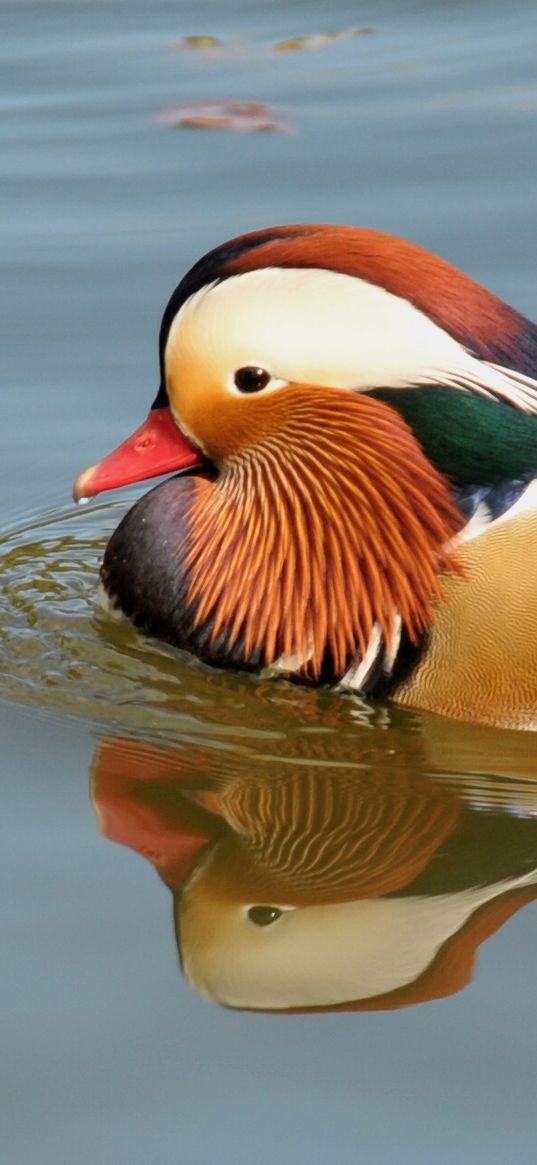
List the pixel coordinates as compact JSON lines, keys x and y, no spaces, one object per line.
{"x":321,"y":327}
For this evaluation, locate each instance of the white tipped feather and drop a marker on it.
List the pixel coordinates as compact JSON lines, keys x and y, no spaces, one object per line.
{"x":355,"y":679}
{"x":490,"y":380}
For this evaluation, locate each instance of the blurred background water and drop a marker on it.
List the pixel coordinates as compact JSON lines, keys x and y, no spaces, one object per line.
{"x":424,"y":125}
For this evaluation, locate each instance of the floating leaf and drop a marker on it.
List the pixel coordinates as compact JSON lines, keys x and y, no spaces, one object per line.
{"x":200,"y":42}
{"x":211,"y":47}
{"x":244,"y":116}
{"x":320,"y":40}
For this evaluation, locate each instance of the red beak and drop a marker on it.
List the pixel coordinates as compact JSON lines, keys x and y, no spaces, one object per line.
{"x":157,"y":447}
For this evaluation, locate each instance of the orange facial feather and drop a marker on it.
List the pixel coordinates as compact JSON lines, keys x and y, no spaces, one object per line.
{"x":332,"y":520}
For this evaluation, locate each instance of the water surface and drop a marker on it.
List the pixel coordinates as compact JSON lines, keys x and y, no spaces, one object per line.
{"x":119,"y":755}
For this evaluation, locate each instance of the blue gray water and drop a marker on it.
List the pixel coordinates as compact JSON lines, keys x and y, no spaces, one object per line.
{"x":426,"y":127}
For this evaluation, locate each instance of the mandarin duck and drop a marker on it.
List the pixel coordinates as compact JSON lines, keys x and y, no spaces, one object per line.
{"x":354,"y":425}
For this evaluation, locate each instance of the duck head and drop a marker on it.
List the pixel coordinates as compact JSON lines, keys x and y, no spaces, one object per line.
{"x":323,"y":382}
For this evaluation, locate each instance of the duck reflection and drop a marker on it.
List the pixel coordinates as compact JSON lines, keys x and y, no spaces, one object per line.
{"x":337,"y":874}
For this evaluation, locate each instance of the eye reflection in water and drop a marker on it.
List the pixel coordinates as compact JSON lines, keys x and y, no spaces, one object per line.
{"x":344,"y":878}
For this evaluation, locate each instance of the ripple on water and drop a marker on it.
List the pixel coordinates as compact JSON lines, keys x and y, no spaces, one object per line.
{"x":58,"y":650}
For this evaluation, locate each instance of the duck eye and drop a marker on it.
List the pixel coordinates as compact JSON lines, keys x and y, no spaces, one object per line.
{"x":264,"y":915}
{"x":251,"y":379}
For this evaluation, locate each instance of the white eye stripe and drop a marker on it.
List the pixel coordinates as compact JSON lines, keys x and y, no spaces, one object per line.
{"x":311,"y":326}
{"x":314,"y":326}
